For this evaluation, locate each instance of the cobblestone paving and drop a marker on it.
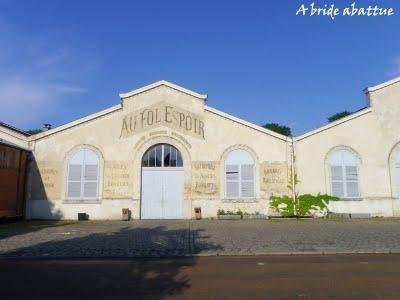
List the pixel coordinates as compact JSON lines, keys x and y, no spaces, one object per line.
{"x":179,"y":238}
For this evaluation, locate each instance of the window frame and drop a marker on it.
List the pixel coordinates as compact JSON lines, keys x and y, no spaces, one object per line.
{"x":83,"y":181}
{"x":344,"y":174}
{"x":239,"y":180}
{"x":178,"y":156}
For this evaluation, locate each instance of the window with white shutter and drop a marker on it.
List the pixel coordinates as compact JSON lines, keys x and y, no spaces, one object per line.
{"x":83,"y":175}
{"x":239,"y":175}
{"x":344,"y":174}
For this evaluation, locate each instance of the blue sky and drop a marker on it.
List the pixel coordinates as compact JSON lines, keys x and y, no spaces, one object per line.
{"x":61,"y":60}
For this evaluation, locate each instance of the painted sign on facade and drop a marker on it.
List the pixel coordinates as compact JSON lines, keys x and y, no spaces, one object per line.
{"x":166,"y":115}
{"x":118,"y":179}
{"x":47,"y":181}
{"x":274,"y":178}
{"x":205,"y":179}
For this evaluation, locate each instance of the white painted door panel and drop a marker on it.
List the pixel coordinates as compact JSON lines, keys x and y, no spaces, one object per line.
{"x":151,"y":204}
{"x":173,"y":194}
{"x":162,"y":193}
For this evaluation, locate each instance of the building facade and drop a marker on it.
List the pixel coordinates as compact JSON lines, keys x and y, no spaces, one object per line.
{"x":163,"y":152}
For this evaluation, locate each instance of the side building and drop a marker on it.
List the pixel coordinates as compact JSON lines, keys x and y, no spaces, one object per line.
{"x":357,"y":158}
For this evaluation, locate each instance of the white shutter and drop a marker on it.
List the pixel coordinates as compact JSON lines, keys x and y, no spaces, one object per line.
{"x":83,"y":173}
{"x":344,"y":174}
{"x":74,"y":181}
{"x":351,"y":173}
{"x":232,"y":181}
{"x":247,"y":181}
{"x":91,"y":172}
{"x":337,"y":181}
{"x":74,"y":189}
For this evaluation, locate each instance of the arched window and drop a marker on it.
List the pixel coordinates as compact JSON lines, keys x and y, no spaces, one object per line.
{"x":239,"y":175}
{"x":397,"y":171}
{"x":344,"y":174}
{"x":83,"y":175}
{"x":162,"y":155}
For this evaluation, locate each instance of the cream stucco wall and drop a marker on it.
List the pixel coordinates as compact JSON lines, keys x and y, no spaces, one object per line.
{"x":115,"y":145}
{"x":122,"y":134}
{"x":373,"y":136}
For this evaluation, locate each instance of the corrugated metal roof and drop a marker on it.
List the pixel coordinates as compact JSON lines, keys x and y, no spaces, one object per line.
{"x":14,"y":129}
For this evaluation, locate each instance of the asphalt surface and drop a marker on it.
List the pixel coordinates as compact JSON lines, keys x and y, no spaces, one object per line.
{"x":352,"y":276}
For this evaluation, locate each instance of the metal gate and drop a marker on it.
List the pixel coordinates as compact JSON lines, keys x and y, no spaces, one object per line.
{"x":162,"y":183}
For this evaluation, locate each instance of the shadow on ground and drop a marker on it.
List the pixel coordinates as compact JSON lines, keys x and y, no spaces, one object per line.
{"x":12,"y":228}
{"x":76,"y":276}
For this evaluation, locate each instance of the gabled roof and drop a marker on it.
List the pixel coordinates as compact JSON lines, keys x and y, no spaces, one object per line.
{"x":246,"y":123}
{"x":161,"y":83}
{"x":382,"y":85}
{"x":76,"y":122}
{"x":12,"y":128}
{"x":335,"y":123}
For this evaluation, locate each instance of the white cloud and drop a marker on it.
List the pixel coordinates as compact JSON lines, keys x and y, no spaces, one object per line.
{"x":38,"y":71}
{"x":24,"y":101}
{"x":395,"y":68}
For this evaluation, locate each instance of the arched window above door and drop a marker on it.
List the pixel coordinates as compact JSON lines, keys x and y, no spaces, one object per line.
{"x":162,"y":155}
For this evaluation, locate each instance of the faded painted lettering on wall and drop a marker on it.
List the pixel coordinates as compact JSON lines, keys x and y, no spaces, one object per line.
{"x":163,"y":114}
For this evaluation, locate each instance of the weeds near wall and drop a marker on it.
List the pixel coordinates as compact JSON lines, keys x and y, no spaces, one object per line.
{"x":307,"y":204}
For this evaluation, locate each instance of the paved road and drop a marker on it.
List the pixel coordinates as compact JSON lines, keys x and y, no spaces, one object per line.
{"x":272,"y":277}
{"x":200,"y":238}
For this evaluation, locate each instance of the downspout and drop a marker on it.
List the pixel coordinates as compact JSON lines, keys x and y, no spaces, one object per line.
{"x":293,"y":177}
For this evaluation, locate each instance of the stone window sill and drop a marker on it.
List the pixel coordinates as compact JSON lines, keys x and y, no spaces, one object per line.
{"x":350,"y":199}
{"x":236,"y":200}
{"x":77,"y":201}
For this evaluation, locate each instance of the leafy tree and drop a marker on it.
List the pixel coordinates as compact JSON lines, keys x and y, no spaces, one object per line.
{"x":33,"y":131}
{"x":339,"y":115}
{"x":282,"y":129}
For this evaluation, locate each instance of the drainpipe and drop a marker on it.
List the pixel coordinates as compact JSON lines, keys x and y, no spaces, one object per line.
{"x":293,"y":177}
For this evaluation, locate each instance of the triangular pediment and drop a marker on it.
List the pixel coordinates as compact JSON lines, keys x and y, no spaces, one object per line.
{"x":162,"y":83}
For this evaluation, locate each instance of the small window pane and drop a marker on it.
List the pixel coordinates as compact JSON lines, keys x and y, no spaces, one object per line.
{"x":152,"y":157}
{"x":75,"y":172}
{"x":74,"y":190}
{"x":173,"y":157}
{"x":91,"y":172}
{"x":247,"y":172}
{"x":232,"y":189}
{"x":179,"y":161}
{"x":247,"y":189}
{"x":166,"y":156}
{"x":90,"y":190}
{"x":337,"y":189}
{"x":158,"y":155}
{"x":351,"y":173}
{"x":337,"y":173}
{"x":352,"y":189}
{"x":145,"y":161}
{"x":232,"y":172}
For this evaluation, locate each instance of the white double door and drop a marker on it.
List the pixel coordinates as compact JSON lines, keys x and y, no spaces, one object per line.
{"x":162,"y":193}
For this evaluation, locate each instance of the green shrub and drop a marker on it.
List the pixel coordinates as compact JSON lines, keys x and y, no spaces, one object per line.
{"x":229,"y":212}
{"x":305,"y":203}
